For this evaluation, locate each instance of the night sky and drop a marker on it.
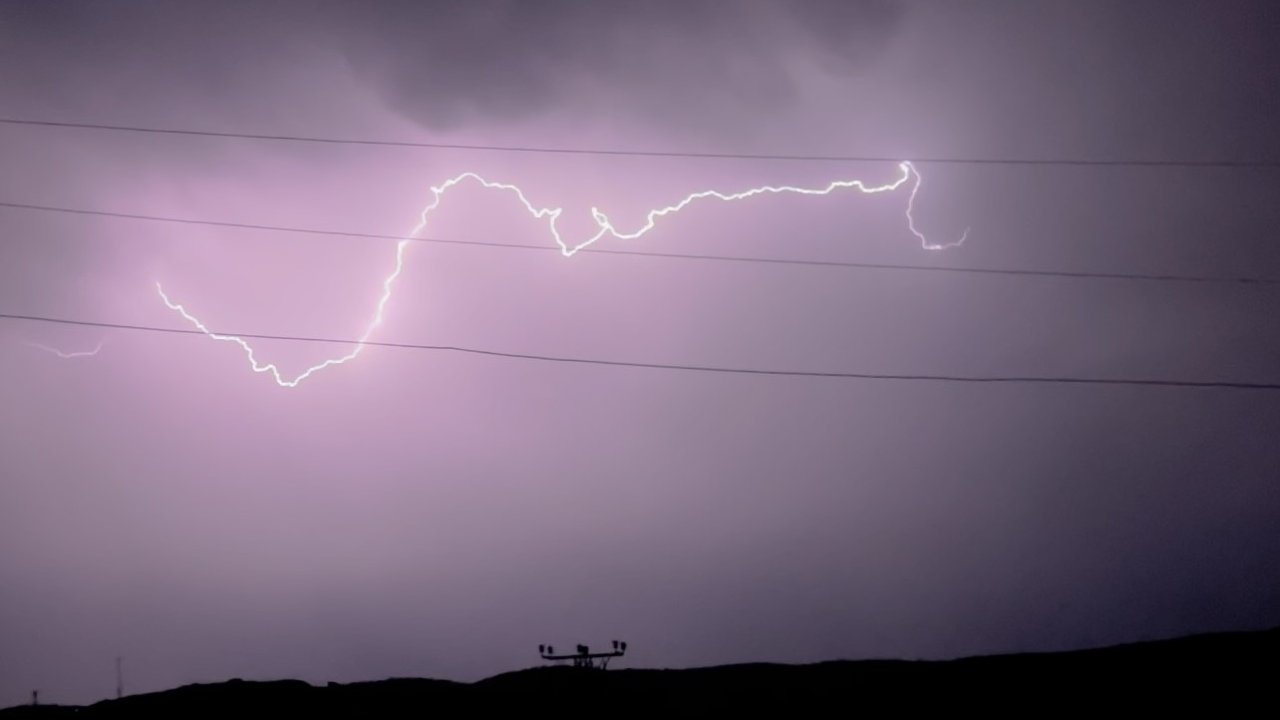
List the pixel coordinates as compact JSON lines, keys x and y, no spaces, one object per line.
{"x":421,"y":513}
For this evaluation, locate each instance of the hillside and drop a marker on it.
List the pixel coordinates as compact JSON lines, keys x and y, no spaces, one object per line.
{"x":1217,"y":672}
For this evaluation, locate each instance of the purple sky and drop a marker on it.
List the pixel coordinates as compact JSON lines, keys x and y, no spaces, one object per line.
{"x":429,"y":514}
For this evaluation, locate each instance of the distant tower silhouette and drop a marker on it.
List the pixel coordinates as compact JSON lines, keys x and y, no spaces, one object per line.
{"x":119,"y":678}
{"x":583,"y":657}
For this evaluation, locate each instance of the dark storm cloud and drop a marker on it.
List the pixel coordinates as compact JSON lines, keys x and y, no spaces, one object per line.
{"x":106,"y":54}
{"x":445,"y":64}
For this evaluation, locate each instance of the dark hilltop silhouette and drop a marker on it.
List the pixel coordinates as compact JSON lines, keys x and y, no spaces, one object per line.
{"x":1215,"y":673}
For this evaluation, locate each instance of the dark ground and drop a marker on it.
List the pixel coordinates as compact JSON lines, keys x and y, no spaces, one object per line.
{"x":1214,"y":673}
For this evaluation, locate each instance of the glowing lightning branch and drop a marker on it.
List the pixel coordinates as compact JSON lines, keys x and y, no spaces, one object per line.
{"x":67,"y":355}
{"x":552,"y":216}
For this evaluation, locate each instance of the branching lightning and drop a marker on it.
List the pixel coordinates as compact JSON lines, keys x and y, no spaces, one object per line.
{"x":552,"y":216}
{"x":66,"y":355}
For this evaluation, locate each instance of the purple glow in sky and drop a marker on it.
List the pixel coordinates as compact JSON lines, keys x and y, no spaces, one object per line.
{"x":435,"y":514}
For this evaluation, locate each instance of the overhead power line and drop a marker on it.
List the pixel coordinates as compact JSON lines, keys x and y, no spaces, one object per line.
{"x":950,"y":160}
{"x":912,"y":377}
{"x":1151,"y":277}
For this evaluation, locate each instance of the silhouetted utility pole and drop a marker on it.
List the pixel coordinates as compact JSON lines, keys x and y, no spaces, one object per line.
{"x":583,"y":657}
{"x":119,"y":678}
{"x":35,"y":697}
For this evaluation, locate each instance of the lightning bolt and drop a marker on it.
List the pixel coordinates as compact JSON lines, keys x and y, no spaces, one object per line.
{"x":552,"y":217}
{"x":67,"y":355}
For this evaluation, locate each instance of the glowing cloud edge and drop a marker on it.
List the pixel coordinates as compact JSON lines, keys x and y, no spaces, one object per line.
{"x":552,"y":215}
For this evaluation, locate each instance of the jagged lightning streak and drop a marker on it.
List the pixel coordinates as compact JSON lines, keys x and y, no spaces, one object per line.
{"x":66,"y":355}
{"x":552,"y":215}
